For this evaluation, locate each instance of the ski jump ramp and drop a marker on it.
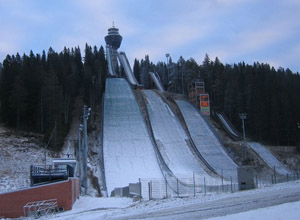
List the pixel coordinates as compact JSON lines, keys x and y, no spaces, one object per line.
{"x":269,"y":158}
{"x":127,"y":149}
{"x":157,"y":81}
{"x":206,"y":141}
{"x":228,"y":126}
{"x":171,"y":139}
{"x":111,"y":68}
{"x":128,"y":71}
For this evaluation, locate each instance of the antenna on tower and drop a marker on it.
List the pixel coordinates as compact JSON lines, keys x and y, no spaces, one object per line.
{"x":113,"y":24}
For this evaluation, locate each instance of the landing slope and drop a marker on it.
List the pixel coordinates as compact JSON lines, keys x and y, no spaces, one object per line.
{"x":171,"y":138}
{"x":269,"y":158}
{"x":206,"y":142}
{"x":127,"y":149}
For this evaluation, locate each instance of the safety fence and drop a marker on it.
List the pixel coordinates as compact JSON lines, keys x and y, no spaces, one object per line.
{"x":274,"y":178}
{"x":184,"y":185}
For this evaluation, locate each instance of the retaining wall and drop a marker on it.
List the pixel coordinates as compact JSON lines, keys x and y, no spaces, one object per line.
{"x":66,"y":193}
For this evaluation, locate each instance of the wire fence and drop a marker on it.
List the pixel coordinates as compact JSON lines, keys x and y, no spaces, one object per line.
{"x":184,"y":185}
{"x":194,"y":184}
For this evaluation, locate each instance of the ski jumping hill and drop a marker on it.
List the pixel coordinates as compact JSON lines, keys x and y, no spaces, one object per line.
{"x":207,"y":142}
{"x":127,"y":149}
{"x":172,"y":141}
{"x":269,"y":158}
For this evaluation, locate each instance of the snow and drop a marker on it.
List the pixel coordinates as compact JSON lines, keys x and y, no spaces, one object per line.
{"x":171,"y":138}
{"x":224,"y":122}
{"x":19,"y":150}
{"x":269,"y":158}
{"x":128,"y":71}
{"x":280,"y":212}
{"x":88,"y":206}
{"x":123,"y":208}
{"x":206,"y":141}
{"x":128,"y":152}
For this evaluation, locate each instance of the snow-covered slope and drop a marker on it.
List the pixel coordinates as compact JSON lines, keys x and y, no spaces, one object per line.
{"x":269,"y":158}
{"x":171,"y":138}
{"x":127,"y":148}
{"x":206,"y":142}
{"x":19,"y":150}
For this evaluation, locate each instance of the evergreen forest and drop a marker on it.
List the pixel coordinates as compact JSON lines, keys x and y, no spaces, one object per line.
{"x":38,"y":91}
{"x":269,"y":97}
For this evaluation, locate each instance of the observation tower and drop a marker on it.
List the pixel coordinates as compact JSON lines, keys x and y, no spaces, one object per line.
{"x":114,"y":39}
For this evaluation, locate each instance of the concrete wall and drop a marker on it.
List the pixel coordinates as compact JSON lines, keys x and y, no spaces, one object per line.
{"x":66,"y":192}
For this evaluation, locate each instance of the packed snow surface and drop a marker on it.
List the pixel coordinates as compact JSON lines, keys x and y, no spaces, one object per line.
{"x":127,"y":148}
{"x":128,"y":71}
{"x":206,"y":141}
{"x":171,"y":138}
{"x":269,"y":158}
{"x":279,"y":201}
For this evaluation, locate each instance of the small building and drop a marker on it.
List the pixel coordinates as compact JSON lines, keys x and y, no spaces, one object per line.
{"x":245,"y":178}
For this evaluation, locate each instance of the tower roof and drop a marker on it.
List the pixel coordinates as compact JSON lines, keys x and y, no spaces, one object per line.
{"x":113,"y":38}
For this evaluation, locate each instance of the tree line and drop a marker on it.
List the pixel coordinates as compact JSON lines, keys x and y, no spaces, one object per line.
{"x":269,"y":96}
{"x":38,"y":91}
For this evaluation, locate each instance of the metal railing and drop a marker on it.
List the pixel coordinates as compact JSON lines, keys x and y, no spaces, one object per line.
{"x":40,"y":208}
{"x":47,"y":173}
{"x":195,"y":184}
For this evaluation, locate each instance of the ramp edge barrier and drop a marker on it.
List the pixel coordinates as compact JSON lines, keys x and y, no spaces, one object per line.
{"x":157,"y":81}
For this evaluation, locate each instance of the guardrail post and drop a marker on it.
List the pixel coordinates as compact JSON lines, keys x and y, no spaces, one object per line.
{"x":204,"y":187}
{"x":166,"y":182}
{"x":275,"y":175}
{"x":140,"y":183}
{"x":194,"y":184}
{"x":222,"y":180}
{"x":149,"y":189}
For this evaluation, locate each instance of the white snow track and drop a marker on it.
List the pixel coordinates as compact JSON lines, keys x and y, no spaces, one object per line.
{"x":269,"y":158}
{"x":157,"y":81}
{"x":127,"y":149}
{"x":128,"y":71}
{"x":206,"y":141}
{"x":171,"y":138}
{"x":228,"y":126}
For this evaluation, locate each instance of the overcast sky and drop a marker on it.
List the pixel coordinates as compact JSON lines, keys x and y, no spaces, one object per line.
{"x":233,"y":30}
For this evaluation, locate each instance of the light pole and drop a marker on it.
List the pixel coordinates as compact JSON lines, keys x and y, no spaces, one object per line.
{"x":79,"y":154}
{"x":168,"y":71}
{"x":243,"y":116}
{"x":86,"y":113}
